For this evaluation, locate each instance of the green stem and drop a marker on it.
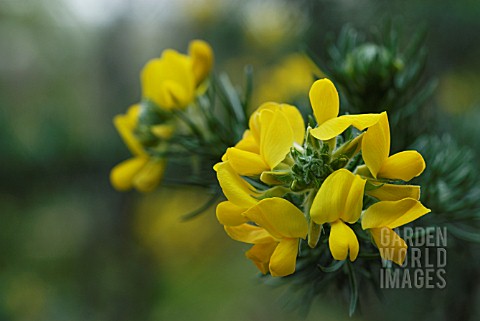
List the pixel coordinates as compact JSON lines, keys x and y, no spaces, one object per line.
{"x":193,"y":127}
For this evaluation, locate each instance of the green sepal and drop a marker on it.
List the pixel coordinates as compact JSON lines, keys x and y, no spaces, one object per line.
{"x":277,"y":191}
{"x":314,"y":232}
{"x":370,"y":186}
{"x":277,"y":177}
{"x":333,"y":267}
{"x":350,"y":148}
{"x":339,"y":162}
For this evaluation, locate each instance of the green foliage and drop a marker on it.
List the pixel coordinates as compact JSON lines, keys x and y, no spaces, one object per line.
{"x":380,"y":73}
{"x":450,"y":185}
{"x":316,"y":275}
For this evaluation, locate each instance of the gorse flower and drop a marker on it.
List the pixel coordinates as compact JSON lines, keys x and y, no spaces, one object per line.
{"x":142,"y":171}
{"x":171,"y":81}
{"x":150,"y":129}
{"x":376,"y":148}
{"x":286,"y":183}
{"x":318,"y":198}
{"x":382,"y":217}
{"x":240,"y":195}
{"x":274,"y":129}
{"x":340,"y":201}
{"x":326,"y":106}
{"x":380,"y":166}
{"x":279,"y":226}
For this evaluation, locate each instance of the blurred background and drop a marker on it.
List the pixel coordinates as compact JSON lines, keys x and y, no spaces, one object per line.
{"x":72,"y":248}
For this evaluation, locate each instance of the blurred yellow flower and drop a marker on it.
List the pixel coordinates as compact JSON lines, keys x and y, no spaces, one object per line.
{"x":458,"y":91}
{"x":271,"y":23}
{"x":141,"y":172}
{"x":286,"y":81}
{"x":171,"y":81}
{"x":176,"y":243}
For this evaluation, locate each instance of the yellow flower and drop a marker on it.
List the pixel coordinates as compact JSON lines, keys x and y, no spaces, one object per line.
{"x":141,"y":172}
{"x":279,"y":227}
{"x":239,"y":193}
{"x":376,"y":148}
{"x":382,"y":217}
{"x":274,"y":128}
{"x":404,"y":165}
{"x":289,"y":79}
{"x":171,"y":80}
{"x":326,"y":106}
{"x":393,"y":192}
{"x":340,"y":200}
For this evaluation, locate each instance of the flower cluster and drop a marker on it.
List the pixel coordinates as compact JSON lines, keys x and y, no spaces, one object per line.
{"x":287,"y":183}
{"x":170,"y":84}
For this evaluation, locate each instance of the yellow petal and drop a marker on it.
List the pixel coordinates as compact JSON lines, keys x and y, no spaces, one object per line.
{"x":342,"y":241}
{"x":163,"y":131}
{"x":149,"y":176}
{"x":279,"y":217}
{"x":132,"y":114}
{"x":276,"y":137}
{"x":248,"y":233}
{"x":354,"y":201}
{"x":230,"y":214}
{"x":169,"y":80}
{"x":122,"y":174}
{"x":254,"y":124}
{"x":296,"y":121}
{"x":392,"y":192}
{"x":391,"y":246}
{"x":173,"y":95}
{"x":340,"y":196}
{"x":269,"y":105}
{"x":324,"y":100}
{"x":335,"y":126}
{"x":235,"y":189}
{"x":246,"y":163}
{"x":376,"y":145}
{"x":291,"y":113}
{"x":125,"y":125}
{"x":393,"y":213}
{"x":202,"y":59}
{"x":284,"y":258}
{"x":404,"y":165}
{"x":260,"y":255}
{"x":248,"y":143}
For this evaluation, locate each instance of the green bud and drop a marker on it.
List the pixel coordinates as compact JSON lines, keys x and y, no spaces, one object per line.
{"x":277,"y":177}
{"x":297,"y":186}
{"x":363,"y":171}
{"x":277,"y":191}
{"x":350,"y":148}
{"x":371,"y":62}
{"x":339,"y":162}
{"x":371,"y":186}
